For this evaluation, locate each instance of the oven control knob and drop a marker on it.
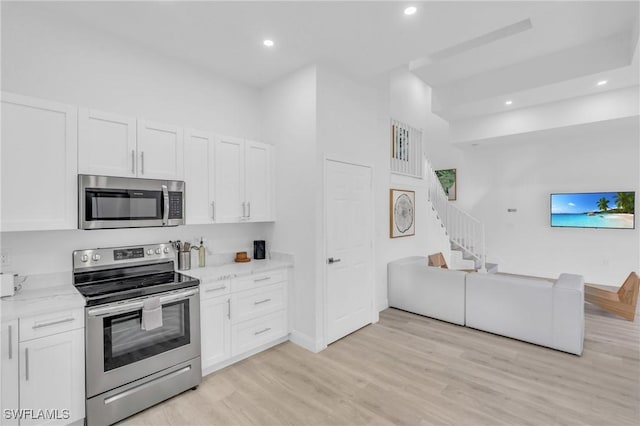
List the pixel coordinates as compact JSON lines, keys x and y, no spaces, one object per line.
{"x":96,"y":257}
{"x":166,"y":250}
{"x":84,"y":258}
{"x":158,"y":251}
{"x":150,"y":252}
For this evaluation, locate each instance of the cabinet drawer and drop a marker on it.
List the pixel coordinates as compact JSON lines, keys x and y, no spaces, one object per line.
{"x":250,"y":334}
{"x":258,"y":280}
{"x":48,"y":324}
{"x":213,"y":288}
{"x":253,"y":303}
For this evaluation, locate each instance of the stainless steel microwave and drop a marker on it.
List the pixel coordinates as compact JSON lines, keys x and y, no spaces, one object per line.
{"x":106,"y":202}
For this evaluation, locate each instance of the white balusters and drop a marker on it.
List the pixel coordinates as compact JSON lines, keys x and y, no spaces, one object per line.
{"x":465,"y":231}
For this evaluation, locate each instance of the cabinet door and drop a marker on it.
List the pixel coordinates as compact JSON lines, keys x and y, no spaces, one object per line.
{"x":215,"y":330}
{"x":258,"y":172}
{"x":160,"y":151}
{"x":199,"y":152}
{"x":39,"y":164}
{"x":106,"y":143}
{"x":229,"y":180}
{"x":9,"y":371}
{"x":52,"y":375}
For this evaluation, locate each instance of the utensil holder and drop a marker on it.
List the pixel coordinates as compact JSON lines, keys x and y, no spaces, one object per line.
{"x":184,"y":260}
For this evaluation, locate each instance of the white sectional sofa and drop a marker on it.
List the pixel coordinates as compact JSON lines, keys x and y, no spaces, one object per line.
{"x":527,"y":308}
{"x":426,"y":290}
{"x":531,"y":309}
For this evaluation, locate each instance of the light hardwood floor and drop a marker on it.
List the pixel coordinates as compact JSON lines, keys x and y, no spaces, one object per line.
{"x":414,"y":370}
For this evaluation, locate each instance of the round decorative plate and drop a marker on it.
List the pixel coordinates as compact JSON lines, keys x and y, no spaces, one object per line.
{"x":403,"y":213}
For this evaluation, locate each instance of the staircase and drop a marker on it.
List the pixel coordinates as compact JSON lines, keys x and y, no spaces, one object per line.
{"x":465,"y":232}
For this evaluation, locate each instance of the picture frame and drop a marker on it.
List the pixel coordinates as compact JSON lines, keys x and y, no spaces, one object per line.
{"x":402,"y":213}
{"x":449,"y":181}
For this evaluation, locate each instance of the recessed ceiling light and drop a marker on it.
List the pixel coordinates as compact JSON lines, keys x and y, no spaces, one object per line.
{"x":508,"y":102}
{"x":410,"y":10}
{"x":602,"y":82}
{"x":268,"y":43}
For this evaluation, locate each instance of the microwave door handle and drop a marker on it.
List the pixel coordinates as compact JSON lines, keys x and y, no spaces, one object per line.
{"x":165,"y":213}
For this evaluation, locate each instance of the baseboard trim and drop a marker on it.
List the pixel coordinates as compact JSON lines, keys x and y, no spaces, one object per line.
{"x":307,"y":342}
{"x":384,"y":304}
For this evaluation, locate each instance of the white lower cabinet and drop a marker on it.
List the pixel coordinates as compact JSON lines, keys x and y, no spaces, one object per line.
{"x":239,"y":316}
{"x":9,"y":372}
{"x":215,"y":333}
{"x":43,"y":375}
{"x":253,"y":333}
{"x":51,"y":377}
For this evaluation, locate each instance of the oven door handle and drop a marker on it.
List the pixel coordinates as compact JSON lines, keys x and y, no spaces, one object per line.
{"x":134,"y":306}
{"x":165,"y":213}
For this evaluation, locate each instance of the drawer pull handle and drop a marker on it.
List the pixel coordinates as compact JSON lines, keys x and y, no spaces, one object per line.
{"x":47,"y":324}
{"x":222,"y":287}
{"x":262,"y":331}
{"x":262,"y":301}
{"x":262,"y":279}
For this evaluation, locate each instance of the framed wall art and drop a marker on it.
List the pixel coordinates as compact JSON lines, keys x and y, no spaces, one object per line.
{"x":449,"y":182}
{"x":402,"y":213}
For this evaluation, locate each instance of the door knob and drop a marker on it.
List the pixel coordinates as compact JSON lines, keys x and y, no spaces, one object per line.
{"x":332,"y":260}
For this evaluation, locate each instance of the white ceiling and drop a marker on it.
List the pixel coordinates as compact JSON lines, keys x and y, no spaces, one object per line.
{"x":471,"y":74}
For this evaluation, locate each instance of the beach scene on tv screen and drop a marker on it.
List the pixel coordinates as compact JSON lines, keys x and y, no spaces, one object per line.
{"x":593,"y":210}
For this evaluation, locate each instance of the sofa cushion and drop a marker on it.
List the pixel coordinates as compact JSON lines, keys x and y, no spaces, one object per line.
{"x":510,"y":305}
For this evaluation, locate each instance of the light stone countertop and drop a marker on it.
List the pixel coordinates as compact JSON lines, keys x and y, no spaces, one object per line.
{"x":234,"y":270}
{"x":49,"y":293}
{"x":42,"y":294}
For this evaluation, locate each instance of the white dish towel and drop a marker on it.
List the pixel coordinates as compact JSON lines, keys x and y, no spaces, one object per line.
{"x":151,"y":314}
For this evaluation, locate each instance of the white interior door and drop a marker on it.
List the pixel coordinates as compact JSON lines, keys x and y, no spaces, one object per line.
{"x":349,"y":263}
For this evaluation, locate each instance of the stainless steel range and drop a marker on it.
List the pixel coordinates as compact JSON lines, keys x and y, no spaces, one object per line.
{"x":130,"y":367}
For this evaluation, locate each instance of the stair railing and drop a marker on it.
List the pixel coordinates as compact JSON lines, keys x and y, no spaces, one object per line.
{"x":465,"y":231}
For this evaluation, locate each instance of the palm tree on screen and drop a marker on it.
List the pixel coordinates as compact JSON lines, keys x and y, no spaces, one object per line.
{"x":624,"y":202}
{"x":603,"y":204}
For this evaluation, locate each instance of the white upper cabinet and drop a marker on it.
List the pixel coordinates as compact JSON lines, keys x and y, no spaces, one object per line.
{"x":106,"y":143}
{"x":115,"y":145}
{"x":160,"y":151}
{"x":229,"y":180}
{"x":258,"y":181}
{"x":39,"y":164}
{"x":199,"y":154}
{"x":243,"y":181}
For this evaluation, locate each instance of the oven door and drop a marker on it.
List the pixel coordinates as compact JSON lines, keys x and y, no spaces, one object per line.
{"x":112,"y":202}
{"x":119,"y":351}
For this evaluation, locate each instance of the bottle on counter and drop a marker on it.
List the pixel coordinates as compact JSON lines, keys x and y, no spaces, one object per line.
{"x":201,"y":254}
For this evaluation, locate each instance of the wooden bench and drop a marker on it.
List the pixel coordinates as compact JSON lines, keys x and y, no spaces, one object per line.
{"x":622,"y":302}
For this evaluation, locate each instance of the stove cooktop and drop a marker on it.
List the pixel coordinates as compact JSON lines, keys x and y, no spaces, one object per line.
{"x":114,"y":290}
{"x":113,"y":274}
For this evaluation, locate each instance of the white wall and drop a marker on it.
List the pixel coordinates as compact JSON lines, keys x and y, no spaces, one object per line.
{"x":289,"y":107}
{"x":67,"y":62}
{"x":591,"y":158}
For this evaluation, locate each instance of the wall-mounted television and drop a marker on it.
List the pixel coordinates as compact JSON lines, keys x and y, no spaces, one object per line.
{"x":611,"y":210}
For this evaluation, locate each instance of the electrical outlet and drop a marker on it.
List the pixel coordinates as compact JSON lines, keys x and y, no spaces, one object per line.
{"x":5,"y":259}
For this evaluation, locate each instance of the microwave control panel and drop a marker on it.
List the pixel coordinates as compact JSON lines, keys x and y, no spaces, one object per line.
{"x":175,"y":205}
